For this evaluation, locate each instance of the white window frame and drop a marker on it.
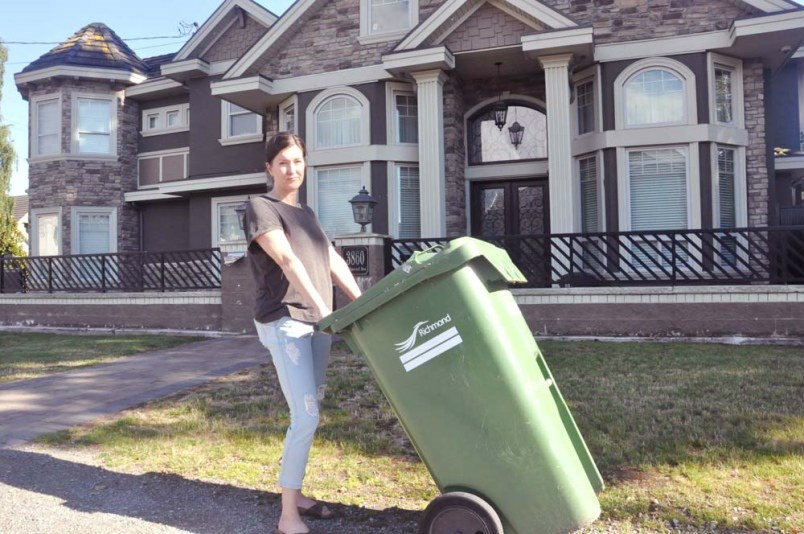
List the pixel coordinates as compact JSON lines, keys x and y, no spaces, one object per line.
{"x":368,"y":37}
{"x":113,"y":101}
{"x":601,"y":197}
{"x":161,"y":154}
{"x":228,"y":139}
{"x":740,"y":185}
{"x":392,"y":89}
{"x":394,"y":198}
{"x":35,"y":102}
{"x":237,"y":247}
{"x":284,"y":106}
{"x":34,"y":230}
{"x":693,"y":183}
{"x":162,"y":114}
{"x":590,"y":74}
{"x":75,"y":211}
{"x":312,"y":182}
{"x":738,"y":100}
{"x":320,"y":99}
{"x":661,"y":63}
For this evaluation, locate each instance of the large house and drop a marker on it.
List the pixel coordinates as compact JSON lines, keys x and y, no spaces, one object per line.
{"x":490,"y":118}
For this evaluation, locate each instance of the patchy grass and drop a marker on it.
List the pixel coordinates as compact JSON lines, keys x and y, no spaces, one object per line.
{"x":687,"y":436}
{"x":30,"y":355}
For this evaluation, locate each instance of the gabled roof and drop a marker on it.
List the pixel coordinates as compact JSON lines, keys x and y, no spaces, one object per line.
{"x":94,"y":46}
{"x":154,"y":63}
{"x":201,"y":36}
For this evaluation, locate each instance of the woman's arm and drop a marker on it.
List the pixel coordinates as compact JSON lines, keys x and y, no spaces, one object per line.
{"x":342,"y":275}
{"x":276,"y":245}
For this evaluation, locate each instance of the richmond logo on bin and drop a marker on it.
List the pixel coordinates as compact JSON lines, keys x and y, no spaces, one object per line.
{"x":430,"y":346}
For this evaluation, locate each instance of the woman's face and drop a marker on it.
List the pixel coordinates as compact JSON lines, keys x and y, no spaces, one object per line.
{"x":287,"y":168}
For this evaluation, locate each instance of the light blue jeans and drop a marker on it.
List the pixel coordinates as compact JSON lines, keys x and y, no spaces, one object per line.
{"x":300,"y":356}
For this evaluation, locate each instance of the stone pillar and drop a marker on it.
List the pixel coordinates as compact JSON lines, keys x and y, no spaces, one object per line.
{"x":563,"y":188}
{"x":430,"y":96}
{"x":238,"y":290}
{"x":365,"y":255}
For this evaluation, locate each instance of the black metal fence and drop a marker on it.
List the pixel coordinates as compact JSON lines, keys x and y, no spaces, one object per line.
{"x":772,"y":255}
{"x":128,"y":271}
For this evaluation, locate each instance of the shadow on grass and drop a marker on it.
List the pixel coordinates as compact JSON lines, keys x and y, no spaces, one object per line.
{"x":171,"y":500}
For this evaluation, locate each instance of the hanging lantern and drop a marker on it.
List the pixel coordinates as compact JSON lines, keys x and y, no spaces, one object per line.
{"x":500,"y":109}
{"x":516,"y":132}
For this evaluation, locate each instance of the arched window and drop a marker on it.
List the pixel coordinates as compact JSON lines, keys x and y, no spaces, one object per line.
{"x":655,"y":92}
{"x":487,"y":143}
{"x":655,"y":96}
{"x":338,"y":122}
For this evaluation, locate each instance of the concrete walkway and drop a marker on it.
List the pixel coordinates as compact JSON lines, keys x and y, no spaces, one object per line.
{"x":38,"y":406}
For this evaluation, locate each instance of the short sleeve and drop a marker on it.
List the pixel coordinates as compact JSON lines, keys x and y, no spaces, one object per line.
{"x":261,"y":217}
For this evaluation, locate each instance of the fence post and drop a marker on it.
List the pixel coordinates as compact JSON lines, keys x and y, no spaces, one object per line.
{"x":673,"y":258}
{"x":50,"y":275}
{"x":162,"y":272}
{"x":103,"y":274}
{"x":2,"y":274}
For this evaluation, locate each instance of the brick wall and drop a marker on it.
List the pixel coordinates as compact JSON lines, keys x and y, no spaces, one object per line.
{"x":62,"y":181}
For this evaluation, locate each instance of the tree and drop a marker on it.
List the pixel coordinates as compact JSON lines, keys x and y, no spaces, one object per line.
{"x":10,"y":237}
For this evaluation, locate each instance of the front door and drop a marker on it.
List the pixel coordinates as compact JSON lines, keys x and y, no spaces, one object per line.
{"x":500,"y":209}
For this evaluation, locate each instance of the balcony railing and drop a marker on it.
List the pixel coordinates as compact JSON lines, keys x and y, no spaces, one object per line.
{"x":672,"y":257}
{"x":127,"y":271}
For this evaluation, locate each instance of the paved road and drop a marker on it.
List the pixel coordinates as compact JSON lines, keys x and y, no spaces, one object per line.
{"x":29,"y":408}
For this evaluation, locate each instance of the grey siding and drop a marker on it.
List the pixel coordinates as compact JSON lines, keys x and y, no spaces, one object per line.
{"x":165,"y":226}
{"x":783,"y":108}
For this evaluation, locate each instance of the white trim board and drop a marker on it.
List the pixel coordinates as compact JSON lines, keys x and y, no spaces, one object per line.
{"x":79,"y":72}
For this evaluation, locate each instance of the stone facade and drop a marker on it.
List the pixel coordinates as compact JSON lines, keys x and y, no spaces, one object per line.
{"x":629,"y":20}
{"x":756,"y":156}
{"x":71,"y":180}
{"x":235,"y":41}
{"x":455,"y":157}
{"x":488,"y":27}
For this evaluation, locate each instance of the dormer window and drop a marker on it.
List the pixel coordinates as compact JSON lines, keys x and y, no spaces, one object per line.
{"x":385,"y":20}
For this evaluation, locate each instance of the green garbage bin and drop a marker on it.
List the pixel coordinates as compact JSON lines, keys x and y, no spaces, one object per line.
{"x":452,"y":353}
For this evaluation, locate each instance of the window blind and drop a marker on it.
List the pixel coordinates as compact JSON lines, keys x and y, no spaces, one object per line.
{"x":47,"y":127}
{"x":726,"y":200}
{"x":589,"y":200}
{"x":409,"y":209}
{"x":658,"y":183}
{"x":336,"y":186}
{"x":94,"y":233}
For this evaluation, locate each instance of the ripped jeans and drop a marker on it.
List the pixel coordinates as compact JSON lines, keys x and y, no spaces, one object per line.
{"x":300,"y":356}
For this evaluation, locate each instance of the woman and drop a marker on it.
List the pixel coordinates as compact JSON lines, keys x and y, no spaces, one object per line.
{"x":294,"y":265}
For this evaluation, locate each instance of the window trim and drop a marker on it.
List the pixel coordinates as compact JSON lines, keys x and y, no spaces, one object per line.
{"x":660,"y":63}
{"x":586,"y":75}
{"x":320,"y":99}
{"x":693,"y":183}
{"x":161,"y":154}
{"x":227,"y":139}
{"x":293,"y":102}
{"x":113,"y":105}
{"x":312,"y":182}
{"x":162,"y":113}
{"x":34,"y":130}
{"x":34,"y":228}
{"x":392,"y":89}
{"x":736,"y":65}
{"x":367,"y":37}
{"x":75,"y":211}
{"x":601,"y":194}
{"x":394,"y":197}
{"x":740,"y":186}
{"x":214,"y":228}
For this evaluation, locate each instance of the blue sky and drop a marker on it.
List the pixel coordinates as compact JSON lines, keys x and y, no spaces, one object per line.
{"x":56,"y":20}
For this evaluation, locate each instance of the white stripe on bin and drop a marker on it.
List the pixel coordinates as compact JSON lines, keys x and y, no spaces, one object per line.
{"x":437,"y":351}
{"x":424,"y":347}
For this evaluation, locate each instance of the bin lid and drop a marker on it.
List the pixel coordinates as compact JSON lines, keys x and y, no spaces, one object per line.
{"x":421,"y":266}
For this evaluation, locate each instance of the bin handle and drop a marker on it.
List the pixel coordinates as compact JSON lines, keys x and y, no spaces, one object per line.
{"x":435,"y":248}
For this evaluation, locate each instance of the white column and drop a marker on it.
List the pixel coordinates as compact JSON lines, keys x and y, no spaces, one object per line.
{"x":432,"y":176}
{"x":563,"y":188}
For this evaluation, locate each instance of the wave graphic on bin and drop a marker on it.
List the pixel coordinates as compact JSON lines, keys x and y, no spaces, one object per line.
{"x":412,"y":356}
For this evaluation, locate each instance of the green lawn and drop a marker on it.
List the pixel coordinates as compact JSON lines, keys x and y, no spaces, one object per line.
{"x":29,"y":355}
{"x":687,"y":436}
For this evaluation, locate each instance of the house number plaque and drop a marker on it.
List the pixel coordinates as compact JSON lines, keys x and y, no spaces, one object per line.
{"x":357,"y":259}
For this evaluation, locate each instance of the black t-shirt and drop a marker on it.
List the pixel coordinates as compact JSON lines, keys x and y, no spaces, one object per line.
{"x":276,"y":298}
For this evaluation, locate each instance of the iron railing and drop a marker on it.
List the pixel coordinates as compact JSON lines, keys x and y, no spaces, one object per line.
{"x":126,"y":271}
{"x":772,"y":255}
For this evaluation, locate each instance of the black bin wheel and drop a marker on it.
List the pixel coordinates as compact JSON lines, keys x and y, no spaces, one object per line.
{"x":459,"y":512}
